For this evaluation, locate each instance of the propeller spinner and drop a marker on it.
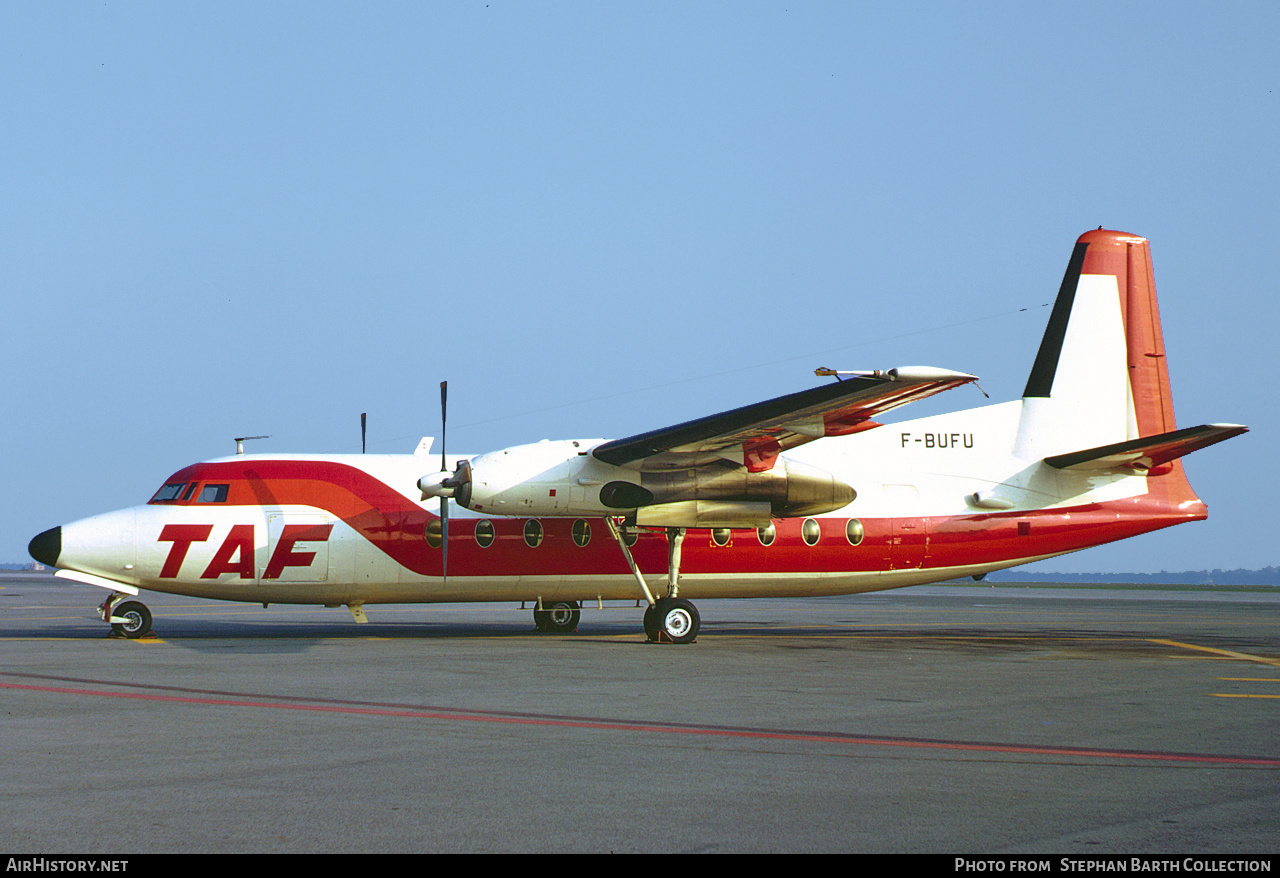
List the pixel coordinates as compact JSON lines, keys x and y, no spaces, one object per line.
{"x":445,"y":484}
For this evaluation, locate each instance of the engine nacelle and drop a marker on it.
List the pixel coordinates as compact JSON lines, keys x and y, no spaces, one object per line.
{"x":790,"y":489}
{"x":705,"y":513}
{"x":560,"y":479}
{"x":546,"y":478}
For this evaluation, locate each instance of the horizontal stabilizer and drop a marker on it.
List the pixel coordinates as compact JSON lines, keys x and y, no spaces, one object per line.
{"x":1148,"y":452}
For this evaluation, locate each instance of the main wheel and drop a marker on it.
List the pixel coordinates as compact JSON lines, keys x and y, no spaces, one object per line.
{"x":675,"y":620}
{"x":137,"y":620}
{"x":558,"y":617}
{"x":651,"y":622}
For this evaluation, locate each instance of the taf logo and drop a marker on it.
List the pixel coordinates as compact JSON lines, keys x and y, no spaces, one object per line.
{"x":235,"y":555}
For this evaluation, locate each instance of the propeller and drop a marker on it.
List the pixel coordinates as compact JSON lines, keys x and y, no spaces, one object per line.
{"x":444,"y":500}
{"x":445,"y":485}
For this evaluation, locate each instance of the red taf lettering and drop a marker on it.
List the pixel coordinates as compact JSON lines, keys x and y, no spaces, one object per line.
{"x":182,"y":536}
{"x":238,"y":542}
{"x":284,"y":556}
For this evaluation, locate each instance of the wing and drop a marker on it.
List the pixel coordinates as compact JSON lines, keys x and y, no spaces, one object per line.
{"x":754,"y":435}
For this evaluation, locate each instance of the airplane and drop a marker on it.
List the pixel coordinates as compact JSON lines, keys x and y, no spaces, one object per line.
{"x":806,"y":494}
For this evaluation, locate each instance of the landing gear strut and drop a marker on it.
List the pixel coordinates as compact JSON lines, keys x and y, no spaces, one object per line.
{"x":669,"y":619}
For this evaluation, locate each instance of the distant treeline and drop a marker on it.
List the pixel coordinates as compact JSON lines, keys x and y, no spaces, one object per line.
{"x":1265,"y":576}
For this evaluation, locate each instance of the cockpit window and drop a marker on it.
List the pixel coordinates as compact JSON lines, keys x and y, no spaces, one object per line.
{"x":169,"y":492}
{"x":213,"y":494}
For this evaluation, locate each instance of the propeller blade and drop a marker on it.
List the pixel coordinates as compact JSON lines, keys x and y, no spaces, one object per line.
{"x":444,"y":501}
{"x":444,"y":421}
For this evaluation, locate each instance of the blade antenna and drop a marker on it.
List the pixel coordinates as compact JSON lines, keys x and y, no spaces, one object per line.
{"x":362,"y":431}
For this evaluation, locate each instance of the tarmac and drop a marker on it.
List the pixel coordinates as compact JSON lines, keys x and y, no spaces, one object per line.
{"x":941,"y":719}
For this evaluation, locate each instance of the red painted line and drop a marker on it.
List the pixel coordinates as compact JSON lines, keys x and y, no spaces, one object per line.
{"x":710,"y":731}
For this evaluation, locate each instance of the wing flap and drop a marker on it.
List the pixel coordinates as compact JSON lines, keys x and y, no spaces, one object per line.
{"x":754,"y":435}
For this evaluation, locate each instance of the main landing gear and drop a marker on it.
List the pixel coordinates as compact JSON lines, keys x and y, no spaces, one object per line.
{"x":129,"y":619}
{"x":672,"y":620}
{"x":669,"y":619}
{"x":557,"y":617}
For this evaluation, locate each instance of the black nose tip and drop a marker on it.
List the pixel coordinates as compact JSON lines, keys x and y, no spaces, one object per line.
{"x":46,"y":547}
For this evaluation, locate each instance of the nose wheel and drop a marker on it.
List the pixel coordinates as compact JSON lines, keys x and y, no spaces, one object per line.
{"x":129,"y":619}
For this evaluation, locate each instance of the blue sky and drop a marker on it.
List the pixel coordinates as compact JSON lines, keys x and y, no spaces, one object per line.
{"x":595,"y":219}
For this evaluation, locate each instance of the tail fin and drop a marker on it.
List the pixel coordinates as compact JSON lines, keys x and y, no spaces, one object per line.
{"x":1100,"y":376}
{"x":1099,"y":387}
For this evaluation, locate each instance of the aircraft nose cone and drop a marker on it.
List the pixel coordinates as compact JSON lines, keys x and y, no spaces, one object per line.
{"x":46,"y":547}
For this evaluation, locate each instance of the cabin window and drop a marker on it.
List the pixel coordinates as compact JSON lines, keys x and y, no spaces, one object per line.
{"x":533,"y":533}
{"x":810,"y":531}
{"x":213,"y":494}
{"x":767,"y":535}
{"x":853,"y":531}
{"x":169,"y":492}
{"x":720,"y":536}
{"x":582,"y":532}
{"x":484,"y":533}
{"x":434,"y":533}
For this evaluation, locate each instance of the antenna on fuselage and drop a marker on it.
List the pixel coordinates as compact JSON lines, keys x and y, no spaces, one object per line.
{"x":240,"y":440}
{"x":362,"y":431}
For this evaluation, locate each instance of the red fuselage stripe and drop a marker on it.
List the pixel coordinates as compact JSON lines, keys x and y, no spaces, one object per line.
{"x":396,"y":526}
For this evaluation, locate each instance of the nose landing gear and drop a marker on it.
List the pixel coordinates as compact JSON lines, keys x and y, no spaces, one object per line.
{"x":129,"y":619}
